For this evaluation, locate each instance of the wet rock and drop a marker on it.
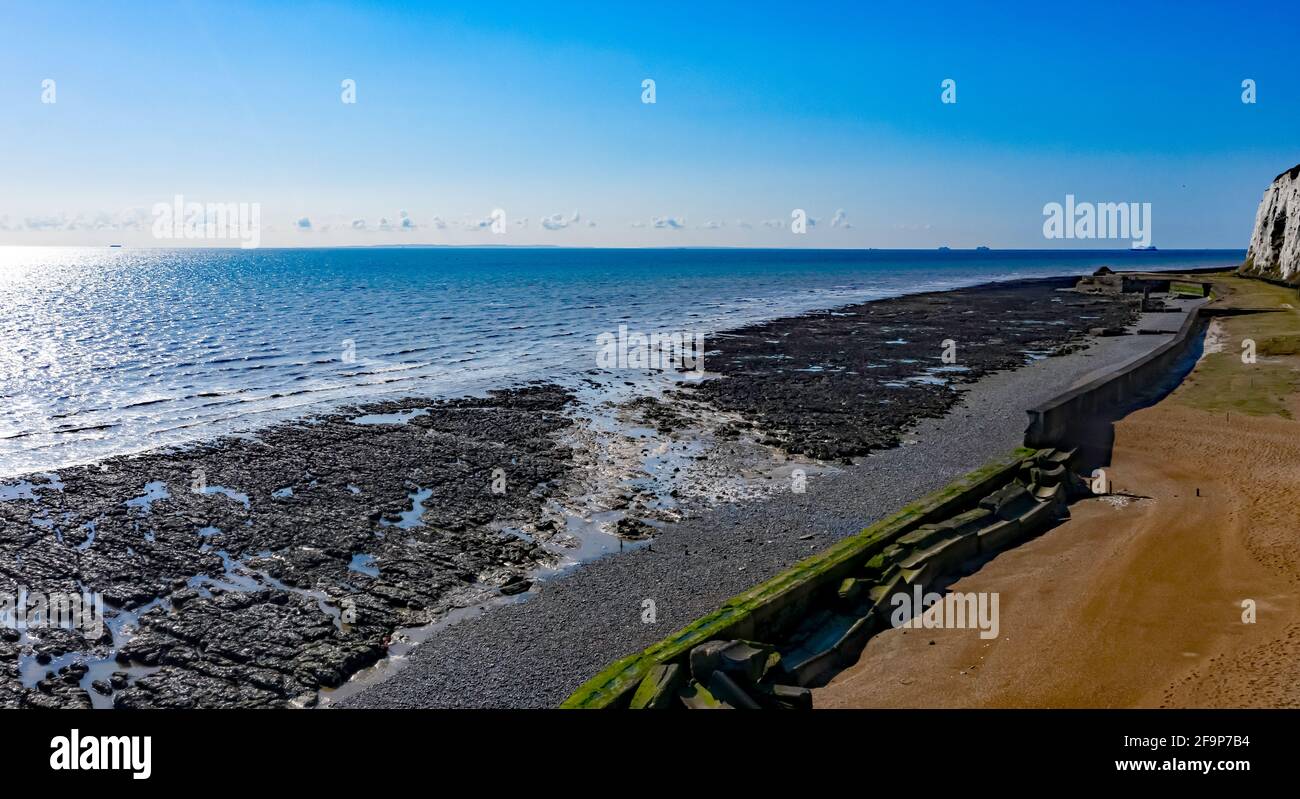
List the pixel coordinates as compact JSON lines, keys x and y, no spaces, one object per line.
{"x":247,"y":600}
{"x":834,"y":386}
{"x":516,"y":585}
{"x":633,"y":528}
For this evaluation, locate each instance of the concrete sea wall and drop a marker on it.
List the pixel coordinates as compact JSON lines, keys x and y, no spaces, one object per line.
{"x":1082,"y":417}
{"x":775,"y":610}
{"x":763,"y":648}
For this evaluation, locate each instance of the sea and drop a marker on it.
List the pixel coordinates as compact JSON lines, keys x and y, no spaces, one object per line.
{"x":108,"y":351}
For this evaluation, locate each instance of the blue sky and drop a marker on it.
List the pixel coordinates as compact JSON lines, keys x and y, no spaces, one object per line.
{"x":535,"y":108}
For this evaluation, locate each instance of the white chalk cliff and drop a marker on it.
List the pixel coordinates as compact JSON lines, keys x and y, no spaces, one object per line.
{"x":1275,"y":245}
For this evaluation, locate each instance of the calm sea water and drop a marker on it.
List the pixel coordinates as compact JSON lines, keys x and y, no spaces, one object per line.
{"x":105,"y":351}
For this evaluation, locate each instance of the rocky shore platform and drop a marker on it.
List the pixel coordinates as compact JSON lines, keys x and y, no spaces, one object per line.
{"x":850,"y":381}
{"x":263,"y":570}
{"x":254,"y":571}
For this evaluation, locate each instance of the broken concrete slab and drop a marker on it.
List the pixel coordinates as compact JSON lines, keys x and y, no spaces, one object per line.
{"x":726,"y":689}
{"x":660,"y":687}
{"x":1050,"y":493}
{"x":1037,"y":518}
{"x":850,"y":644}
{"x":696,"y":697}
{"x":744,"y":659}
{"x":704,"y":659}
{"x":880,"y":563}
{"x":925,"y":535}
{"x":971,"y":521}
{"x":1050,"y":476}
{"x":820,"y":648}
{"x":1008,"y":502}
{"x":1000,"y":536}
{"x":850,"y":589}
{"x":786,"y":697}
{"x":1064,"y":457}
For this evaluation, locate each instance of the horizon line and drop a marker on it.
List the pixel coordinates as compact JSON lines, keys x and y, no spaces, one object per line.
{"x":939,"y":248}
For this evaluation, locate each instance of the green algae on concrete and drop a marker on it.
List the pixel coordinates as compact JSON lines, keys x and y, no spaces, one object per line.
{"x":780,"y":600}
{"x":659,"y":689}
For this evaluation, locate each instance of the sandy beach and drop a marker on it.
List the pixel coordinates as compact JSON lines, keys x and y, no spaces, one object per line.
{"x":1138,"y":599}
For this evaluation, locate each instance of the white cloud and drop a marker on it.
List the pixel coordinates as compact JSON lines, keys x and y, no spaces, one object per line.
{"x":772,"y":223}
{"x":840,"y":219}
{"x":711,"y":225}
{"x":303,"y":223}
{"x":358,"y":224}
{"x":439,"y":223}
{"x":560,"y":221}
{"x":129,"y":219}
{"x":58,"y":222}
{"x":404,"y":221}
{"x":674,"y":222}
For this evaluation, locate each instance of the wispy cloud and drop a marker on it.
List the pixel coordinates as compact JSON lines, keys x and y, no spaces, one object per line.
{"x":131,"y":219}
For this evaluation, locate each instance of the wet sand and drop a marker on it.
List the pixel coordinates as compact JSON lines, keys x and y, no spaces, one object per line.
{"x":1136,"y":601}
